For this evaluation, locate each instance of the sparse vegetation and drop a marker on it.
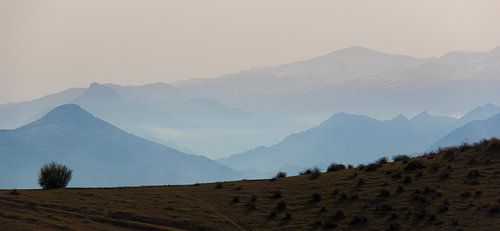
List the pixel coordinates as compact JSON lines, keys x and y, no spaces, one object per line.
{"x":392,"y":197}
{"x":280,"y":174}
{"x":335,"y":167}
{"x":54,"y":175}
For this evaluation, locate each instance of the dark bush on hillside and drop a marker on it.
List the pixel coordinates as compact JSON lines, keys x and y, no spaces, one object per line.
{"x":397,"y":174}
{"x":382,"y":160}
{"x":444,"y":206}
{"x":14,"y":192}
{"x":253,"y":198}
{"x":350,"y":166}
{"x":329,"y":225}
{"x":335,"y":167}
{"x":250,"y":205}
{"x":414,"y":165}
{"x":360,"y":182}
{"x":473,"y":174}
{"x":444,"y":175}
{"x":401,"y":158}
{"x":315,"y":173}
{"x":276,"y":194}
{"x":465,"y":194}
{"x":358,"y":220}
{"x":236,"y":199}
{"x":384,"y":193}
{"x":400,"y":189}
{"x":272,"y":215}
{"x":219,"y":186}
{"x":435,"y":166}
{"x":339,"y":214}
{"x":288,"y":216}
{"x":407,"y":179}
{"x":280,"y":174}
{"x":315,"y":197}
{"x":371,"y":167}
{"x":54,"y":175}
{"x":360,"y":167}
{"x":281,"y":205}
{"x":306,"y":171}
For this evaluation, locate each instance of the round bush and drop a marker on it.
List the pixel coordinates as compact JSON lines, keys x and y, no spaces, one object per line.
{"x":54,"y":175}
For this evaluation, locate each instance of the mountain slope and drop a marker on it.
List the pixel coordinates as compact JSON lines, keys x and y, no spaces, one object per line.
{"x":99,"y":153}
{"x":471,"y":132}
{"x":346,"y":138}
{"x":456,"y":189}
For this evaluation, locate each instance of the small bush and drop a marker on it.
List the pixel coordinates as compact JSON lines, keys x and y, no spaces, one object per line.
{"x":329,"y":225}
{"x":315,"y":197}
{"x":280,"y":174}
{"x":14,"y":192}
{"x":350,"y":166}
{"x":316,"y":172}
{"x":219,"y":186}
{"x":360,"y":167}
{"x":397,"y":174}
{"x":444,"y":175}
{"x":288,"y":216}
{"x":54,"y":175}
{"x":401,"y":158}
{"x":335,"y":167}
{"x":250,"y":205}
{"x":414,"y":165}
{"x":384,"y":193}
{"x":236,"y":199}
{"x":371,"y":167}
{"x":253,"y":198}
{"x":382,"y":160}
{"x":473,"y":174}
{"x":358,"y":220}
{"x":276,"y":194}
{"x":360,"y":182}
{"x":272,"y":215}
{"x":407,"y":179}
{"x":281,"y":205}
{"x":400,"y":189}
{"x":339,"y":214}
{"x":465,"y":194}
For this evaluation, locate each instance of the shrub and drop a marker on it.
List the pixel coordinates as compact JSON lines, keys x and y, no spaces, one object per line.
{"x":358,"y":220}
{"x":473,"y":174}
{"x":350,"y":166}
{"x":384,"y":193}
{"x":361,"y":167}
{"x":382,"y":160}
{"x":315,"y":173}
{"x":360,"y":182}
{"x":401,"y":158}
{"x":236,"y":199}
{"x":276,"y":194}
{"x":371,"y":167}
{"x":465,"y":194}
{"x":329,"y":225}
{"x":250,"y":205}
{"x":444,"y":175}
{"x":400,"y":189}
{"x":54,"y":175}
{"x":335,"y":167}
{"x":397,"y":174}
{"x":339,"y":214}
{"x":306,"y":171}
{"x":414,"y":165}
{"x":280,"y":174}
{"x":272,"y":215}
{"x":14,"y":192}
{"x":407,"y":179}
{"x":253,"y":198}
{"x":219,"y":185}
{"x":288,"y":216}
{"x":315,"y":197}
{"x":281,"y":205}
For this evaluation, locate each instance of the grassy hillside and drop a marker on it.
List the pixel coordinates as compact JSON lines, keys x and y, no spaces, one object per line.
{"x":457,"y":188}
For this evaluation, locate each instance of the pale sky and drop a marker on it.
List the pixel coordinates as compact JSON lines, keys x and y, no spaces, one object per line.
{"x":51,"y":45}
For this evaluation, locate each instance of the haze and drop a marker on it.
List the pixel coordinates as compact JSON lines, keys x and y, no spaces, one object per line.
{"x":46,"y":46}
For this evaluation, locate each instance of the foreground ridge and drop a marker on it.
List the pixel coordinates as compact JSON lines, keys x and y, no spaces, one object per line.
{"x":453,"y":188}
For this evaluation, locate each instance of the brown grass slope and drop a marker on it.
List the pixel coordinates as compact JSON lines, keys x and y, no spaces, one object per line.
{"x":455,"y":189}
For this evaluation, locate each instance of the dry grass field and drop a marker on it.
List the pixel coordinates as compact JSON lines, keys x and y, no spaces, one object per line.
{"x":454,"y":189}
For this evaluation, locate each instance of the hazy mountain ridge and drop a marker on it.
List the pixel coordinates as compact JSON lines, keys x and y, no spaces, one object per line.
{"x":349,"y":138}
{"x":99,"y":153}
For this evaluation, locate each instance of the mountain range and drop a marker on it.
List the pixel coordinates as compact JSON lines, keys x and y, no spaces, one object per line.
{"x":353,"y":139}
{"x":99,"y":153}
